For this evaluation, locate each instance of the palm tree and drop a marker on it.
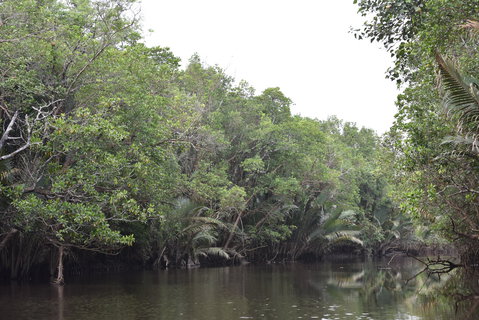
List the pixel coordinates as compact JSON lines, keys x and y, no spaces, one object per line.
{"x":461,"y":101}
{"x":318,"y":230}
{"x":194,"y":234}
{"x":336,"y":228}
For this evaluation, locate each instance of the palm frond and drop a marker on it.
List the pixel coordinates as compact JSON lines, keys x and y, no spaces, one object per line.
{"x":210,"y":221}
{"x":454,"y":154}
{"x":185,"y":207}
{"x":461,"y":97}
{"x":395,"y":234}
{"x":470,"y":141}
{"x":289,"y":210}
{"x":204,"y":237}
{"x":330,"y":219}
{"x":332,"y":226}
{"x":213,"y":251}
{"x":347,"y":214}
{"x":344,"y":236}
{"x":457,"y":140}
{"x":337,"y":219}
{"x":194,"y":229}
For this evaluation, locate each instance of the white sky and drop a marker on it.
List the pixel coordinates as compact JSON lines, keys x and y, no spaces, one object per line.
{"x":301,"y":46}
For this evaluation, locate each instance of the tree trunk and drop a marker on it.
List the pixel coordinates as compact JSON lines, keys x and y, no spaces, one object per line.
{"x":238,"y":219}
{"x":60,"y":279}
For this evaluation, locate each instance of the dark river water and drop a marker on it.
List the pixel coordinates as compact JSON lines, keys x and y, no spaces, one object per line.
{"x":339,"y":289}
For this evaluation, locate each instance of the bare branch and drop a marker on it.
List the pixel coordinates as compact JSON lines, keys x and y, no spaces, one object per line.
{"x":9,"y":128}
{"x":25,"y":146}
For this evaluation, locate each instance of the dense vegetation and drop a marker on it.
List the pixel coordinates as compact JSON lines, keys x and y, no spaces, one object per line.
{"x":434,"y":44}
{"x":110,"y":148}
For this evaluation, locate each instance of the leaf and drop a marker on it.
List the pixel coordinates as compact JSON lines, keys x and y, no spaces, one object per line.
{"x":349,"y":236}
{"x":461,"y":97}
{"x":213,"y":251}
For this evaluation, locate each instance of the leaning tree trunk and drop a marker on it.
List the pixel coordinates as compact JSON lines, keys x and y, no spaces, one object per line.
{"x":60,"y":279}
{"x":232,"y":233}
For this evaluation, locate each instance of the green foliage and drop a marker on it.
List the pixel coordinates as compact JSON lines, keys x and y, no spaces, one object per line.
{"x":434,"y":138}
{"x":461,"y":98}
{"x":111,"y":144}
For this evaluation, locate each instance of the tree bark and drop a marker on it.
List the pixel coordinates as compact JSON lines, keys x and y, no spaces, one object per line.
{"x":6,"y":134}
{"x":238,"y":219}
{"x":60,"y":279}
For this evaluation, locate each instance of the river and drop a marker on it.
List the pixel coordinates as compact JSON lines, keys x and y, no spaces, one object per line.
{"x":338,"y":289}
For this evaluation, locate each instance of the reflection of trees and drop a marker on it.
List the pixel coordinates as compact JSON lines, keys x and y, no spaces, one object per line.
{"x":349,"y":281}
{"x":365,"y":287}
{"x":453,"y":295}
{"x":472,"y":304}
{"x":461,"y":294}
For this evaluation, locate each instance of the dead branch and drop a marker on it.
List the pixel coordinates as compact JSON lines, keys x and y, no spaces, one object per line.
{"x":6,"y":134}
{"x":437,"y":265}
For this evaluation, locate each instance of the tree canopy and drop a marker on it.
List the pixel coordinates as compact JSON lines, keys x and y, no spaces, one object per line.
{"x":112,"y":147}
{"x":434,"y":46}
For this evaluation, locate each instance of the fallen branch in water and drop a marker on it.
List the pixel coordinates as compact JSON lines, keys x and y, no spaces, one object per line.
{"x":436,"y":266}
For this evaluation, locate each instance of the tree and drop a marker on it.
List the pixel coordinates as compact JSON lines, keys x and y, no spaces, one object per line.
{"x":431,"y":142}
{"x":108,"y":146}
{"x":89,"y":172}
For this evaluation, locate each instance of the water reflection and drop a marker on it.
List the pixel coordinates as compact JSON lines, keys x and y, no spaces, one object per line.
{"x":60,"y":302}
{"x":332,"y":290}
